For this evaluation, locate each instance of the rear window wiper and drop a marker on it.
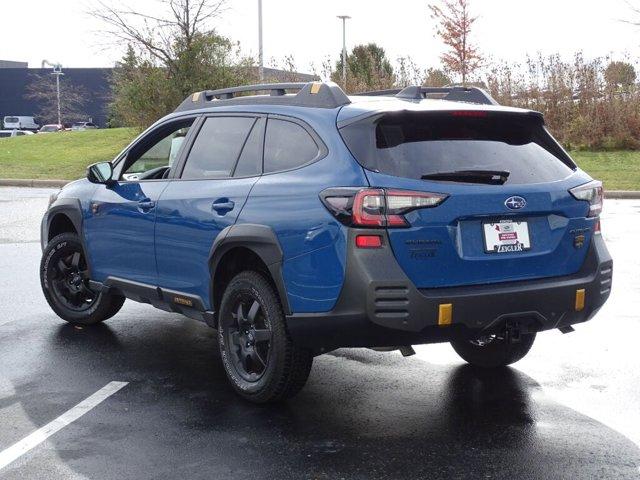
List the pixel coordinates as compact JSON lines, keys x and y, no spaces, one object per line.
{"x":489,"y":177}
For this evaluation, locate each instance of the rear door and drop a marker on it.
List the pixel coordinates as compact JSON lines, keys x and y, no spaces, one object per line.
{"x":220,"y":169}
{"x":509,"y":215}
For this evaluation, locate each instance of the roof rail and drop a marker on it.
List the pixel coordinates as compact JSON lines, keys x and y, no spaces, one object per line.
{"x":311,"y":94}
{"x":451,"y":93}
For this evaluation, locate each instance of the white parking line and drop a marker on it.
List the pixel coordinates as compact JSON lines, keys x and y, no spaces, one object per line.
{"x":18,"y":449}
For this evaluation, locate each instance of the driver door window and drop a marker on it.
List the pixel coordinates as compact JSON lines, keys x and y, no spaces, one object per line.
{"x":153,"y":159}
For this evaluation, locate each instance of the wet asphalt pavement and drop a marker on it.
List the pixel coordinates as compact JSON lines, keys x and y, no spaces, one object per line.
{"x":571,"y":409}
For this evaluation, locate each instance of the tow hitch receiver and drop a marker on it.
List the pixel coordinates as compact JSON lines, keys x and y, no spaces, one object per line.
{"x":512,"y":331}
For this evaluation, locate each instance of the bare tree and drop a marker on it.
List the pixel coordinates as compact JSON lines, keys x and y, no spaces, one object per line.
{"x":455,"y":24}
{"x":73,"y":98}
{"x":163,"y":35}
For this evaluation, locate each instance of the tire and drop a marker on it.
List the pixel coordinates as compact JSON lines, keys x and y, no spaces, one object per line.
{"x":64,"y":280}
{"x":261,"y":362}
{"x":493,"y":352}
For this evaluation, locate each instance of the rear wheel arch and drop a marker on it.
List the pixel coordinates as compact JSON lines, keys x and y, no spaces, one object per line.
{"x":246,"y":247}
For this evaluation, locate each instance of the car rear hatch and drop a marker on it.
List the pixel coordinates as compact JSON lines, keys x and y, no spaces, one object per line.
{"x":504,"y":210}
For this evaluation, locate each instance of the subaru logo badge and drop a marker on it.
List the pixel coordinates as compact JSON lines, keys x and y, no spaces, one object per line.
{"x":515,"y":203}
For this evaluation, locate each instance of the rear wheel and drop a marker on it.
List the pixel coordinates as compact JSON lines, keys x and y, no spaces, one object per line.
{"x":64,"y":278}
{"x":493,"y":351}
{"x":259,"y":358}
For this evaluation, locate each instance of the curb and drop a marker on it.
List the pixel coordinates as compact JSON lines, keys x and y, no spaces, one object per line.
{"x":622,"y":195}
{"x":32,"y":182}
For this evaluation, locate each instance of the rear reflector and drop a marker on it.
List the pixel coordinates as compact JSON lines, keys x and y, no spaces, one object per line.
{"x":369,"y":241}
{"x":580,"y":298}
{"x":445,"y":314}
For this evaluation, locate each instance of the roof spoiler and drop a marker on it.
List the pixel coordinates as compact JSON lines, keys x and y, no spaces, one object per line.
{"x":451,"y":93}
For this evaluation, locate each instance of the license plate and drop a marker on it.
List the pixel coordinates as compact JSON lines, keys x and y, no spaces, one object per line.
{"x":506,"y":236}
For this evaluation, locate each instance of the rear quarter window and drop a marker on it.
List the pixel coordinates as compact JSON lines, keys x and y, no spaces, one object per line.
{"x":415,"y":144}
{"x":287,"y":145}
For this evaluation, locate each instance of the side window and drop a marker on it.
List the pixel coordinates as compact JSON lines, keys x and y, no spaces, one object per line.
{"x":250,"y":161}
{"x":217,"y":147}
{"x":153,"y":159}
{"x":287,"y":145}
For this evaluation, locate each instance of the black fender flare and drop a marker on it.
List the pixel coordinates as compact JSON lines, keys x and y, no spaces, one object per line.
{"x":261,"y":240}
{"x":70,"y":207}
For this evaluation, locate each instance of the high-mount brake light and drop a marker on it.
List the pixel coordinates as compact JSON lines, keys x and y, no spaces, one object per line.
{"x":377,"y":207}
{"x":593,"y":193}
{"x":470,"y":114}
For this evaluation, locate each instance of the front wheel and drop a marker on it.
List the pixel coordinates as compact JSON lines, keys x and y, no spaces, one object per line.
{"x":64,"y":278}
{"x":493,"y":351}
{"x":260,"y":360}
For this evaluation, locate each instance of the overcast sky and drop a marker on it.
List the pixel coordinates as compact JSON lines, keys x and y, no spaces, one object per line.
{"x":60,"y":30}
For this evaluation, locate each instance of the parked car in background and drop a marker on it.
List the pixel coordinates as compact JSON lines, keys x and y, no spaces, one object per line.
{"x":51,"y":128}
{"x":20,"y":123}
{"x":82,"y":126}
{"x":14,"y":133}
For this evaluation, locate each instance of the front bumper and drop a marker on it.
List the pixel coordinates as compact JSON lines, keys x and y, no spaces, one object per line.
{"x":380,"y":306}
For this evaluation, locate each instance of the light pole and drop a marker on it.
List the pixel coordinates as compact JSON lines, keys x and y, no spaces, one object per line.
{"x":260,"y":51}
{"x":344,"y":19}
{"x":57,"y":71}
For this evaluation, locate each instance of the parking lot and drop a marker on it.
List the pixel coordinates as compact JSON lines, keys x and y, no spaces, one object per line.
{"x":571,"y":409}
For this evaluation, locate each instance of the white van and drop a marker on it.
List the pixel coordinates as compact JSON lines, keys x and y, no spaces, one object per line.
{"x":20,"y":123}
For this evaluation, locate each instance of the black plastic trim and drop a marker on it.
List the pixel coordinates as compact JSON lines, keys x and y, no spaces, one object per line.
{"x":380,"y":306}
{"x":260,"y":239}
{"x":168,"y":300}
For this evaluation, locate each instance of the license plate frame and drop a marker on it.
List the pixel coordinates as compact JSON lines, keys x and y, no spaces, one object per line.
{"x":512,"y":236}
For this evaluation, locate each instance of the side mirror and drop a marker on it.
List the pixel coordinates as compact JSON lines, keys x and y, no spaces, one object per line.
{"x":100,"y":173}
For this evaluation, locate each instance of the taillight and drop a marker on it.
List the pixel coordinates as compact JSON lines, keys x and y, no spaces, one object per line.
{"x":593,"y":193}
{"x":377,"y":207}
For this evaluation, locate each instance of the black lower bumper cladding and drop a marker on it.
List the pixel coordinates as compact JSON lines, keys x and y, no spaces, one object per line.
{"x":379,"y":305}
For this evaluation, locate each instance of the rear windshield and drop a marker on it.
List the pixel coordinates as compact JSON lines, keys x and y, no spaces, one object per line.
{"x":11,"y":119}
{"x":415,"y":144}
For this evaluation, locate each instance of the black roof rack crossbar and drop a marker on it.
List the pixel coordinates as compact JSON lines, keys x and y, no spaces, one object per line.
{"x":451,"y":93}
{"x":391,"y":92}
{"x":311,"y":94}
{"x":454,"y":94}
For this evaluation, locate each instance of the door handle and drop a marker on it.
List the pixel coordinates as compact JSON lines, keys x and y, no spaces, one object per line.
{"x":223,"y":206}
{"x":146,"y":205}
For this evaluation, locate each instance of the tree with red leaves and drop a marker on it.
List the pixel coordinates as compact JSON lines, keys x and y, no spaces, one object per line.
{"x":455,"y":22}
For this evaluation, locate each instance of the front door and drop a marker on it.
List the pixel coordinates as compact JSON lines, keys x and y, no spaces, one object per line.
{"x":119,"y":228}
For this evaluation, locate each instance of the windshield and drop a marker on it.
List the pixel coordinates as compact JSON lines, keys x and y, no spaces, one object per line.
{"x":422,"y":144}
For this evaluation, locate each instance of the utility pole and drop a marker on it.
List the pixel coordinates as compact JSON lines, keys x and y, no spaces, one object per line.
{"x":260,"y":50}
{"x":57,"y":71}
{"x":344,"y":19}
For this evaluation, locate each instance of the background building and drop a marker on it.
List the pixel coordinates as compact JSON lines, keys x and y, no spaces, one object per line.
{"x":15,"y":80}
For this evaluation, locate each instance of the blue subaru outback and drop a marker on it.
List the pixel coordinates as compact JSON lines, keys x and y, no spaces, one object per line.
{"x":304,"y":220}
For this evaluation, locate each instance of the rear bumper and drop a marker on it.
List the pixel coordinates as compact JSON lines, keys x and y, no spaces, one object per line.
{"x":379,"y":305}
